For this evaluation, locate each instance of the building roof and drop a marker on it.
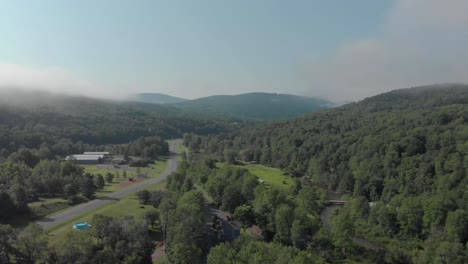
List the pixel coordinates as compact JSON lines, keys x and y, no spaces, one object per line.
{"x":96,"y":153}
{"x":230,"y":225}
{"x":231,"y":230}
{"x":84,"y":157}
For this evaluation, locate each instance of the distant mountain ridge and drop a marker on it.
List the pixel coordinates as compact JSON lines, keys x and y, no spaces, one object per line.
{"x":158,"y":98}
{"x":28,"y":118}
{"x":255,"y":106}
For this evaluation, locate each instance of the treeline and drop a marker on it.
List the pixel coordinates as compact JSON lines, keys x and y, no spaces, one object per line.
{"x":246,"y":250}
{"x":110,"y":240}
{"x":21,"y":184}
{"x":404,"y":152}
{"x":145,"y":147}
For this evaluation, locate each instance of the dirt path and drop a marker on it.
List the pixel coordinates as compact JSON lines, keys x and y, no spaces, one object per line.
{"x":62,"y":217}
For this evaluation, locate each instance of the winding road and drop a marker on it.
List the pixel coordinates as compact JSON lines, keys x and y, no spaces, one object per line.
{"x":57,"y":219}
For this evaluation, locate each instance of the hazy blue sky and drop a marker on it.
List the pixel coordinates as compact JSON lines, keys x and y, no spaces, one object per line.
{"x":336,"y":49}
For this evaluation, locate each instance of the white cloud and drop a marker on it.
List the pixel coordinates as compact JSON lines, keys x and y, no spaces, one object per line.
{"x":51,"y":79}
{"x":422,"y":42}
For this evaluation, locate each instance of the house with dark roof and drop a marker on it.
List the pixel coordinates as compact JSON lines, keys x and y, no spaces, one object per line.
{"x":230,"y":230}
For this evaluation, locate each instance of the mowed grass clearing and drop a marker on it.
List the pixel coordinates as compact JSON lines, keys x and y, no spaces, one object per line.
{"x":152,"y":171}
{"x":127,"y":206}
{"x":272,"y":176}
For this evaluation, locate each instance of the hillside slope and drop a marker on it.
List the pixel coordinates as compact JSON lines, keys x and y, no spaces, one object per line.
{"x":258,"y":106}
{"x":31,"y":118}
{"x":406,"y":151}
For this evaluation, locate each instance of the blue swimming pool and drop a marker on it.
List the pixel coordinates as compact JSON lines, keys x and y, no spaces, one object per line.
{"x":81,"y":226}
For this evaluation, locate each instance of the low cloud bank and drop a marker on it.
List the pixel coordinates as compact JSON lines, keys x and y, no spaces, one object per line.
{"x":422,"y":42}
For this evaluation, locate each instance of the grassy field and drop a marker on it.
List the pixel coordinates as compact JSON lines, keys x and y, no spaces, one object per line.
{"x":126,"y":206}
{"x":272,"y":176}
{"x":54,"y":206}
{"x":153,"y":170}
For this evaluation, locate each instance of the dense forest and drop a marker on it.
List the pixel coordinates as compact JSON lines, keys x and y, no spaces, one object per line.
{"x":250,"y":106}
{"x":37,"y":130}
{"x":256,"y":106}
{"x":398,"y":161}
{"x":238,"y":192}
{"x":400,"y":158}
{"x":289,"y":219}
{"x":64,"y":124}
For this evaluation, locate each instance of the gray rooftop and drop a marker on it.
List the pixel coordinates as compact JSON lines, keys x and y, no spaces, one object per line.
{"x":84,"y":157}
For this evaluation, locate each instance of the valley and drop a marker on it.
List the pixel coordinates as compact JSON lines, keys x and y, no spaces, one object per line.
{"x":234,"y":132}
{"x":366,"y":182}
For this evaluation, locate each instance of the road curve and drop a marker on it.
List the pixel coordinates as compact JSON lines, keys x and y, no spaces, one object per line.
{"x":57,"y":219}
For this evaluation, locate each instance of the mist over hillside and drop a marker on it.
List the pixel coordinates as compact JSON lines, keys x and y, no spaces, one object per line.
{"x":157,"y":98}
{"x":28,"y":118}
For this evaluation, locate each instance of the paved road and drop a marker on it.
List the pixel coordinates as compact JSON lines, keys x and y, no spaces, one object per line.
{"x":57,"y":219}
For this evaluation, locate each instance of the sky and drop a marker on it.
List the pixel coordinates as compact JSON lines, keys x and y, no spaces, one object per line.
{"x":333,"y":49}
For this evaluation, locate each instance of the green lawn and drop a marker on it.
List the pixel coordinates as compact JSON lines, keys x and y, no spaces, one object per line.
{"x":272,"y":176}
{"x":126,"y":206}
{"x":152,"y":171}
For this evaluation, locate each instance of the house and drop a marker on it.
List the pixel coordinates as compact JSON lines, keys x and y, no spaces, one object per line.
{"x":230,"y":231}
{"x":85,"y":159}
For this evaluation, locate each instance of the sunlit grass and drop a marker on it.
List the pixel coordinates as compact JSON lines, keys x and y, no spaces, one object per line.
{"x":272,"y":176}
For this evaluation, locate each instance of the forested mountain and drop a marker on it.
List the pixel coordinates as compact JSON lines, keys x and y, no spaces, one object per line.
{"x":259,"y":106}
{"x":157,"y":98}
{"x":251,"y":106}
{"x":400,"y":156}
{"x":38,"y":129}
{"x":36,"y":119}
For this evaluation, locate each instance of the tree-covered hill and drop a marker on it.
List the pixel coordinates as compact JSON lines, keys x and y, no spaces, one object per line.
{"x":33,"y":119}
{"x":406,"y":151}
{"x":258,"y":106}
{"x":250,"y":106}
